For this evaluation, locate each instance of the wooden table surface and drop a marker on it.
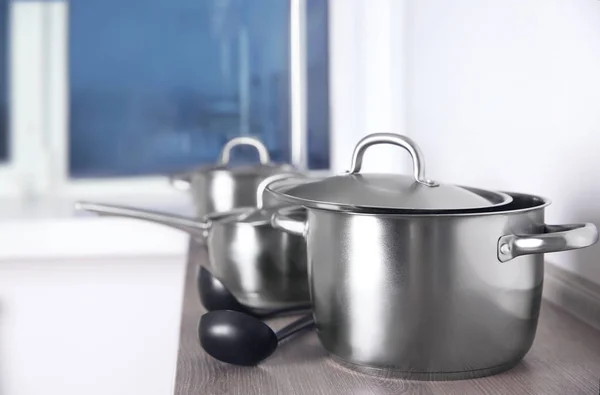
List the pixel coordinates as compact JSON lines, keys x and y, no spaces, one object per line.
{"x":564,"y":360}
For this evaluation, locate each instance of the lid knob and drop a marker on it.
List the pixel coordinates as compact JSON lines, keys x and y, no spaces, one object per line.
{"x":393,"y":139}
{"x":263,"y":153}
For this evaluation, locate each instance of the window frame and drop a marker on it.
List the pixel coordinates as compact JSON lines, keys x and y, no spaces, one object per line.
{"x":362,"y":34}
{"x":20,"y":176}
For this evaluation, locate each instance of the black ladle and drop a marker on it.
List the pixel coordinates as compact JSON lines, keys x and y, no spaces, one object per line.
{"x":215,"y":296}
{"x":239,"y":339}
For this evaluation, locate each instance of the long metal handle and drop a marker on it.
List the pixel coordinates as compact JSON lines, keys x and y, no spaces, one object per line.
{"x":263,"y":152}
{"x":394,"y":139}
{"x":189,"y":225}
{"x":180,"y":181}
{"x":305,"y":322}
{"x":302,"y":308}
{"x":556,"y":238}
{"x":282,"y":220}
{"x":220,"y":215}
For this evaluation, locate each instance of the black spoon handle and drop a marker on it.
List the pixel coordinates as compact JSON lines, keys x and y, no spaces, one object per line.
{"x":298,"y":309}
{"x":305,"y":322}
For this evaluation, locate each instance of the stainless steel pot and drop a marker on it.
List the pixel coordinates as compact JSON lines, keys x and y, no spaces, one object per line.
{"x":261,"y":266}
{"x":222,"y":187}
{"x":429,"y":296}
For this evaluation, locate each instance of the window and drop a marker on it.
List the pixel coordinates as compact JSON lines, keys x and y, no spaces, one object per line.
{"x":4,"y":142}
{"x":317,"y":59}
{"x":104,"y":95}
{"x":157,"y":86}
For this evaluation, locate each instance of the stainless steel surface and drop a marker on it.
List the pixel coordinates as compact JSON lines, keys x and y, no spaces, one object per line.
{"x":555,"y":238}
{"x":221,"y":191}
{"x":354,"y":191}
{"x":423,"y":296}
{"x":283,"y":219}
{"x":261,"y":266}
{"x":298,"y":84}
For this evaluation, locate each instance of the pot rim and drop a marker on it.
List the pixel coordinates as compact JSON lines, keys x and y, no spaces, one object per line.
{"x":542,"y":202}
{"x":316,"y":204}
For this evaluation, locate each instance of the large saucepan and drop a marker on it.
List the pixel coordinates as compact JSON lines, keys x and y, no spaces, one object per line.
{"x":223,"y":187}
{"x":261,"y":266}
{"x":423,"y":281}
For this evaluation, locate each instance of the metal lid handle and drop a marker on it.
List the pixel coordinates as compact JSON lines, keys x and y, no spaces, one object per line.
{"x":260,"y":190}
{"x":394,"y":139}
{"x":263,"y":153}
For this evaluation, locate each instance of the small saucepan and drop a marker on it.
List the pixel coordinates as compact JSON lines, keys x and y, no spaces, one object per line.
{"x":262,"y":267}
{"x":222,"y":186}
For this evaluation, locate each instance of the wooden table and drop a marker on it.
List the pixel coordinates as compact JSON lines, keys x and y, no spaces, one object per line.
{"x":564,"y":360}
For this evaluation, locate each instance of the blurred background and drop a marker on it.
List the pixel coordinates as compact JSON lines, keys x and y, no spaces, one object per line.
{"x":102,"y":99}
{"x":146,"y":88}
{"x":161,"y":86}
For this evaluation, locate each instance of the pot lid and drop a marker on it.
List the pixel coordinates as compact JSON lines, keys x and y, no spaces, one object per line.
{"x":355,"y":191}
{"x":264,"y":167}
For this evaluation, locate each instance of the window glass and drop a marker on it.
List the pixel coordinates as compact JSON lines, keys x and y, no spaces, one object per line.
{"x":158,"y":86}
{"x":317,"y":54}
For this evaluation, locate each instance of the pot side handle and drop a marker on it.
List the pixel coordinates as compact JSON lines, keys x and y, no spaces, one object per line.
{"x":555,"y":238}
{"x":263,"y":152}
{"x":282,"y":220}
{"x":180,"y":181}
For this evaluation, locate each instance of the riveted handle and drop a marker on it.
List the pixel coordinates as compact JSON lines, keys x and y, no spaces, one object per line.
{"x":555,"y":238}
{"x":393,"y":139}
{"x":283,"y":220}
{"x":263,"y":153}
{"x":180,"y":181}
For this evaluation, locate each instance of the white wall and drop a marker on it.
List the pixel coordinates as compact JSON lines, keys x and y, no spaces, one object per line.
{"x":506,"y":94}
{"x":367,"y":77}
{"x":90,"y":326}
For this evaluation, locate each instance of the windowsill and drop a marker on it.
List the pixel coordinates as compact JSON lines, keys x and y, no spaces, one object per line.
{"x":50,"y":228}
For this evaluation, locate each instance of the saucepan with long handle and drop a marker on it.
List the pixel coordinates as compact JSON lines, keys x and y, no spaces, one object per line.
{"x":263,"y":267}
